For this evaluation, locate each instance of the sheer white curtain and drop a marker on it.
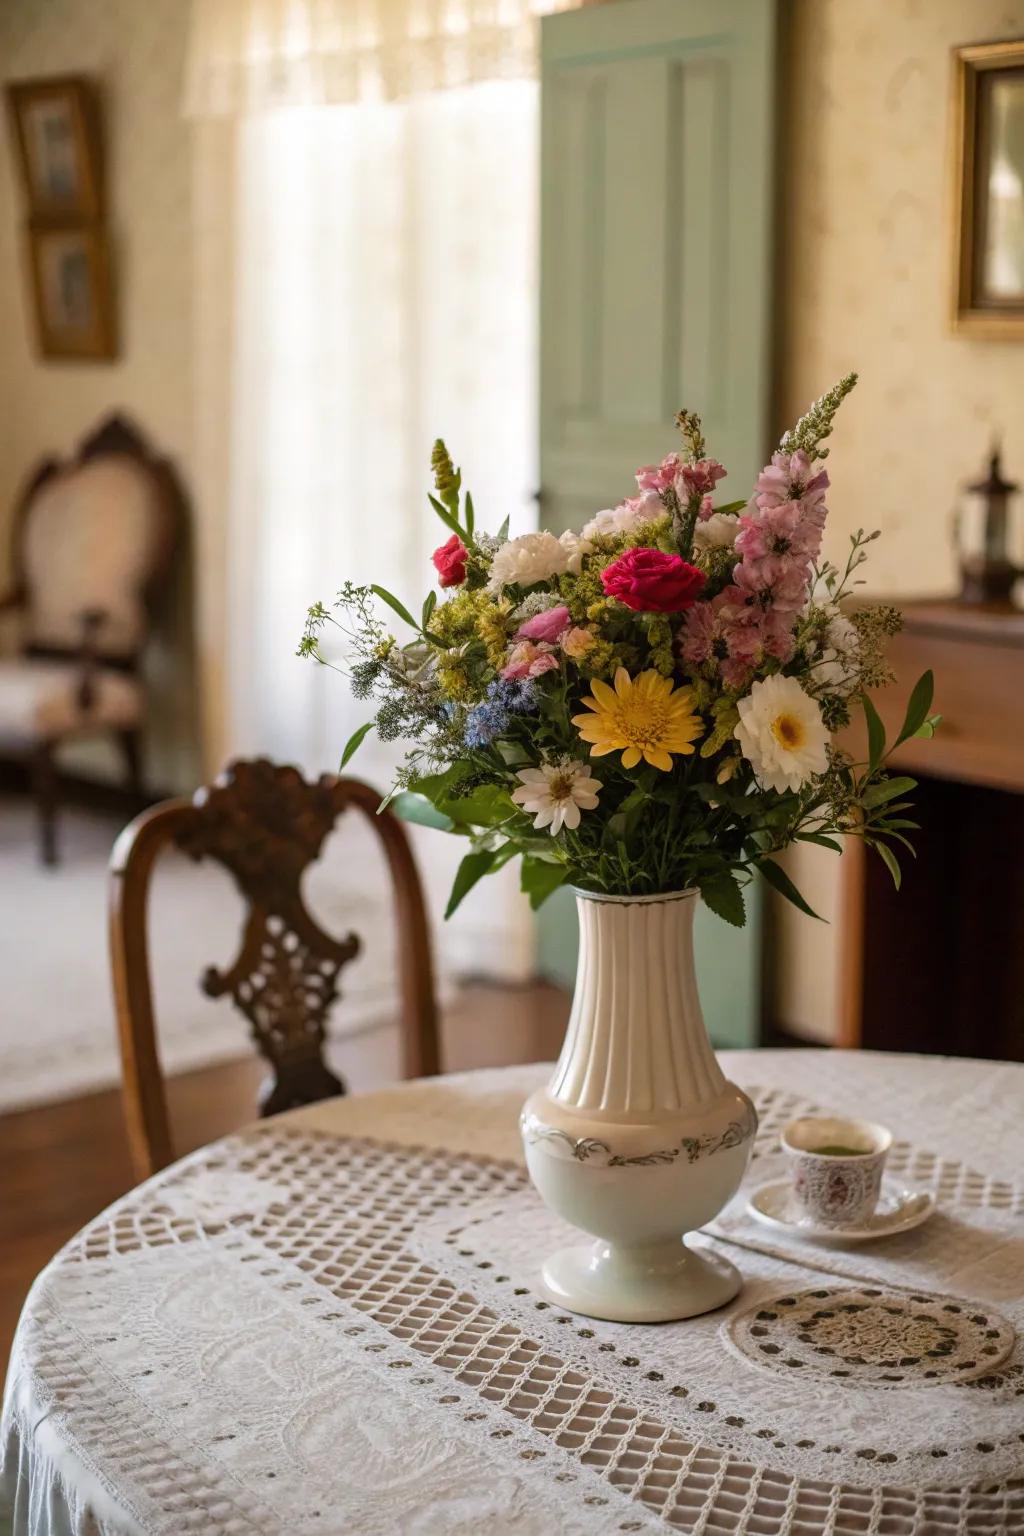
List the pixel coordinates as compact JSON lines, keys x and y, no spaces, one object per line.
{"x":367,"y":277}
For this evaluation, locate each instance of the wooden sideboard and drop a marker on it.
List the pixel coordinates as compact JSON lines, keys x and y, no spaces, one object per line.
{"x":939,"y":965}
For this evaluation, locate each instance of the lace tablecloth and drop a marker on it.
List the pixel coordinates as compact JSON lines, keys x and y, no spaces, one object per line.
{"x":327,"y":1324}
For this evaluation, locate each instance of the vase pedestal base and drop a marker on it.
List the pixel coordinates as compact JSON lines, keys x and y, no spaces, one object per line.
{"x":655,"y":1283}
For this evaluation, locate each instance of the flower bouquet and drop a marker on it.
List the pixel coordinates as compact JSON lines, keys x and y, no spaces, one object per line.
{"x":644,"y":709}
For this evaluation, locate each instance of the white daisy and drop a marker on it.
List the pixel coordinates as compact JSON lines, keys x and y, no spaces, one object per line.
{"x":555,"y":793}
{"x":532,"y":557}
{"x":781,"y":734}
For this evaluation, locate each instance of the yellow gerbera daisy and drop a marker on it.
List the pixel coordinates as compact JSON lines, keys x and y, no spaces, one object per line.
{"x":643,"y":717}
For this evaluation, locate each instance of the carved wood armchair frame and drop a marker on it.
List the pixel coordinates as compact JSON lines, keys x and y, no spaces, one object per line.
{"x":115,"y":437}
{"x":265,"y":824}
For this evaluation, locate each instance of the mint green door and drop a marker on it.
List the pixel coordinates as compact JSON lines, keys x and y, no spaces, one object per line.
{"x":657,"y":152}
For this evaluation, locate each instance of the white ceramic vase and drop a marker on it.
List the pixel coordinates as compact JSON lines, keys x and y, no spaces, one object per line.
{"x":638,"y":1138}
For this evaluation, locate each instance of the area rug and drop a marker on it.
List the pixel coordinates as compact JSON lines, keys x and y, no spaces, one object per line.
{"x":57,"y":1032}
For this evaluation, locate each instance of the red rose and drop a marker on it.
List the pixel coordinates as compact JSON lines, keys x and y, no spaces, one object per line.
{"x":650,"y":581}
{"x":450,"y":561}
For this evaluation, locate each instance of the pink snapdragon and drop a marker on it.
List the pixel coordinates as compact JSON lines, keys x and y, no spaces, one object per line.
{"x":778,"y":542}
{"x":788,"y":478}
{"x":658,"y":477}
{"x":529,"y":660}
{"x":550,"y":625}
{"x":723,"y":631}
{"x":699,"y":478}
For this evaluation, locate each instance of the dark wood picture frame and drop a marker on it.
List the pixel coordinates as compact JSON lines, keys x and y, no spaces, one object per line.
{"x":72,"y":290}
{"x":71,"y":185}
{"x":977,"y":311}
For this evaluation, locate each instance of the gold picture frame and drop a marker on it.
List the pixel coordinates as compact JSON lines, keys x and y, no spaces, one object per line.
{"x":72,"y":290}
{"x":988,"y":190}
{"x":55,"y":126}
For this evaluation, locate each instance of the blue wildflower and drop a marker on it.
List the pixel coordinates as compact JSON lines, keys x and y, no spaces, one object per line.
{"x":517,"y":695}
{"x":484,"y":723}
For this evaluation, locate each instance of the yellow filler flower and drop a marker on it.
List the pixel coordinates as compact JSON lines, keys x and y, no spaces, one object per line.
{"x":643,"y":717}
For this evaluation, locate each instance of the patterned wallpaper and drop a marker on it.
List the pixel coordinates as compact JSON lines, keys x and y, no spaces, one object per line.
{"x":865,"y":284}
{"x":135,"y":48}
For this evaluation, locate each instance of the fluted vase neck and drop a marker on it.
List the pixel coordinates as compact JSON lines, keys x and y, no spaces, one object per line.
{"x":636,"y":1042}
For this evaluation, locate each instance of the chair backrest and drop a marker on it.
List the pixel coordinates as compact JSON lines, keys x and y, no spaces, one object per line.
{"x":265,"y":824}
{"x":94,"y":536}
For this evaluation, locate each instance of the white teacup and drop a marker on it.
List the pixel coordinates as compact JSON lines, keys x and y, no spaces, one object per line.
{"x":837,"y":1167}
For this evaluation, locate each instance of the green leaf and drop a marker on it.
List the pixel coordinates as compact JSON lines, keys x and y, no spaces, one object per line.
{"x":502,"y":533}
{"x":434,"y":786}
{"x":723,"y":896}
{"x":732,"y":506}
{"x":876,"y":733}
{"x":890,"y":861}
{"x":484,"y":807}
{"x":445,"y":516}
{"x":354,"y":742}
{"x":821,"y":840}
{"x":888,"y":789}
{"x":926,"y":731}
{"x":918,"y":705}
{"x":473,"y":868}
{"x":777,"y":878}
{"x":412,"y":807}
{"x":470,"y":517}
{"x":393,"y":603}
{"x":429,"y":604}
{"x":539,"y":878}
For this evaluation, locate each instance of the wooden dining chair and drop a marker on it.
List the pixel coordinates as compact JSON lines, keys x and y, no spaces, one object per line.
{"x":265,"y":824}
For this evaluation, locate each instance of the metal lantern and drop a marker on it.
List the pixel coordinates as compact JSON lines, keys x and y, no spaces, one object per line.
{"x":982,"y":529}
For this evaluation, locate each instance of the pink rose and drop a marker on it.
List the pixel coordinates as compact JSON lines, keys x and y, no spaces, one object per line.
{"x":649,"y":581}
{"x":450,"y":562}
{"x":529,"y":660}
{"x":549,"y":625}
{"x":658,"y":477}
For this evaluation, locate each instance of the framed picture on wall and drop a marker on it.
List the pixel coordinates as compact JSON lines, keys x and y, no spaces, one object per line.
{"x":55,"y":128}
{"x":71,"y":288}
{"x":988,"y":189}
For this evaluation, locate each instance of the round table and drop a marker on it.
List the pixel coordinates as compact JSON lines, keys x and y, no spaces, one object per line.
{"x":328,"y":1323}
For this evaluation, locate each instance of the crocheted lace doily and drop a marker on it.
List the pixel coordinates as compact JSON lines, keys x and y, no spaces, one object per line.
{"x":298,"y":1330}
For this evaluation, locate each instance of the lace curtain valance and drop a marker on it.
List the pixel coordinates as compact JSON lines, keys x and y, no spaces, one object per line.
{"x":254,"y":55}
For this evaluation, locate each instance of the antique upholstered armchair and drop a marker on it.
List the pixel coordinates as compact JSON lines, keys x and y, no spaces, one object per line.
{"x":93,"y":539}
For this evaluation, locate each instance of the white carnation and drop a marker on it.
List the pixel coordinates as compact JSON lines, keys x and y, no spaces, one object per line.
{"x":781,"y":734}
{"x":575,"y":546}
{"x":532,"y":557}
{"x":718,"y":532}
{"x":626,"y":517}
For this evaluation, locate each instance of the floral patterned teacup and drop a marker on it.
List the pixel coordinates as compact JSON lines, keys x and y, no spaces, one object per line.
{"x":837,"y":1168}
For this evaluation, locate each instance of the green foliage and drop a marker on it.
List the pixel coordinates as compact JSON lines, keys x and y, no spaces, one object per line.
{"x":473,"y":868}
{"x":778,"y":879}
{"x":540,"y":878}
{"x":354,"y":742}
{"x":725,"y":898}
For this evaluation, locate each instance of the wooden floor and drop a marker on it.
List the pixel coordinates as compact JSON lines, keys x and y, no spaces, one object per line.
{"x":63,"y":1163}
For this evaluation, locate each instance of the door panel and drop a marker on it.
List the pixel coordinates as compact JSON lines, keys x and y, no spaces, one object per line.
{"x":657,"y":146}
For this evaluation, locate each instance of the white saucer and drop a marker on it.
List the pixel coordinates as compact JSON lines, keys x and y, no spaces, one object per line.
{"x":899,"y":1209}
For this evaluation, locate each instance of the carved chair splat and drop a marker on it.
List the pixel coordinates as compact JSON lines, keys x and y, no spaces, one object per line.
{"x":265,"y":824}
